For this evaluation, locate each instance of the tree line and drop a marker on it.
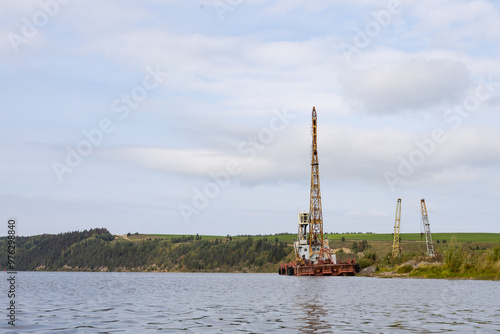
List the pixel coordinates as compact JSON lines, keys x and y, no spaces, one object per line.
{"x":96,"y":250}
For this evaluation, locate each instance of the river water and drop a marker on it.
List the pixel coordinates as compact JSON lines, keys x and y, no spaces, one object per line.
{"x":248,"y":303}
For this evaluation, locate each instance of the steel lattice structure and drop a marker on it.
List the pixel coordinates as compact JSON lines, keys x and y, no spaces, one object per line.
{"x":396,"y":251}
{"x":315,"y":210}
{"x":427,"y":229}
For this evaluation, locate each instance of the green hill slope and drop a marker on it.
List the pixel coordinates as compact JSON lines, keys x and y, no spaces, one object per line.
{"x":98,"y":250}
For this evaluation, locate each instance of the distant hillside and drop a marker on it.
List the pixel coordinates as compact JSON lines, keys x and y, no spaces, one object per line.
{"x":99,"y":250}
{"x":474,"y":255}
{"x":48,"y":250}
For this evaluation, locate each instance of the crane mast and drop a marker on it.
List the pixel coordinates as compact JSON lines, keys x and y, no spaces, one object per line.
{"x":315,"y":210}
{"x":427,"y":229}
{"x":313,"y":256}
{"x":396,"y":251}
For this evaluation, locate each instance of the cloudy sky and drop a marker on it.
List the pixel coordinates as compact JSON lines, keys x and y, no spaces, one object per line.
{"x":174,"y":116}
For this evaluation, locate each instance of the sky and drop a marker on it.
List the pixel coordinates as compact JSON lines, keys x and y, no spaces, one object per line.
{"x":184,"y":117}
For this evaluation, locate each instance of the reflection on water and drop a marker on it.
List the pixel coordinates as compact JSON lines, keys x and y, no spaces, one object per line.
{"x":315,"y":318}
{"x":250,"y":303}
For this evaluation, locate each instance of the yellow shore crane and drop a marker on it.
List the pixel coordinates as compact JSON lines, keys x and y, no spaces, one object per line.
{"x":315,"y":210}
{"x":396,"y":250}
{"x":427,"y":229}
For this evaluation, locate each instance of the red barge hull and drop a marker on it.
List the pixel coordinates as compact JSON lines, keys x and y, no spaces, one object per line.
{"x":327,"y":269}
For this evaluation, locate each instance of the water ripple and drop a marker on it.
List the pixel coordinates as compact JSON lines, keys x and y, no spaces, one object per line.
{"x":250,"y":303}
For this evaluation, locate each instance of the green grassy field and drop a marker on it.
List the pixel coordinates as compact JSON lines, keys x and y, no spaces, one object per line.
{"x":465,"y":237}
{"x":207,"y":237}
{"x":462,"y":237}
{"x":380,"y":243}
{"x":473,"y":237}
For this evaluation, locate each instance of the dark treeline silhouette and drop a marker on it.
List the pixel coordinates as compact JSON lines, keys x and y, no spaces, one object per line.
{"x":45,"y":250}
{"x":95,"y":250}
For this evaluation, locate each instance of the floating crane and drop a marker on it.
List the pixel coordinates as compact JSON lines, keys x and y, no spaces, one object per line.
{"x":396,"y":251}
{"x":315,"y":211}
{"x":312,"y":252}
{"x":427,"y":229}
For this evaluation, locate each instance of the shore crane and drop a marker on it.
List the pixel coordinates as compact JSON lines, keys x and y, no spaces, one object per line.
{"x":427,"y":229}
{"x":396,"y":250}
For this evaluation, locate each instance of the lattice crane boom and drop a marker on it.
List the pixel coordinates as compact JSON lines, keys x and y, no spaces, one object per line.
{"x":396,"y":250}
{"x":313,"y":256}
{"x":315,"y":210}
{"x":427,"y":229}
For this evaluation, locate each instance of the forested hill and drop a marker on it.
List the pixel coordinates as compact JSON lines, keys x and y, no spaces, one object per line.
{"x":99,"y":250}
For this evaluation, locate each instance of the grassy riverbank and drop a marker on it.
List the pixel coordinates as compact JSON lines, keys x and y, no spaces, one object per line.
{"x":453,"y":260}
{"x":459,"y":255}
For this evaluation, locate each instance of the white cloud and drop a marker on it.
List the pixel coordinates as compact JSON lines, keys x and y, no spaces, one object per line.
{"x":470,"y":147}
{"x":459,"y":25}
{"x":411,"y":85}
{"x":345,"y":153}
{"x":453,"y":175}
{"x":188,"y":162}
